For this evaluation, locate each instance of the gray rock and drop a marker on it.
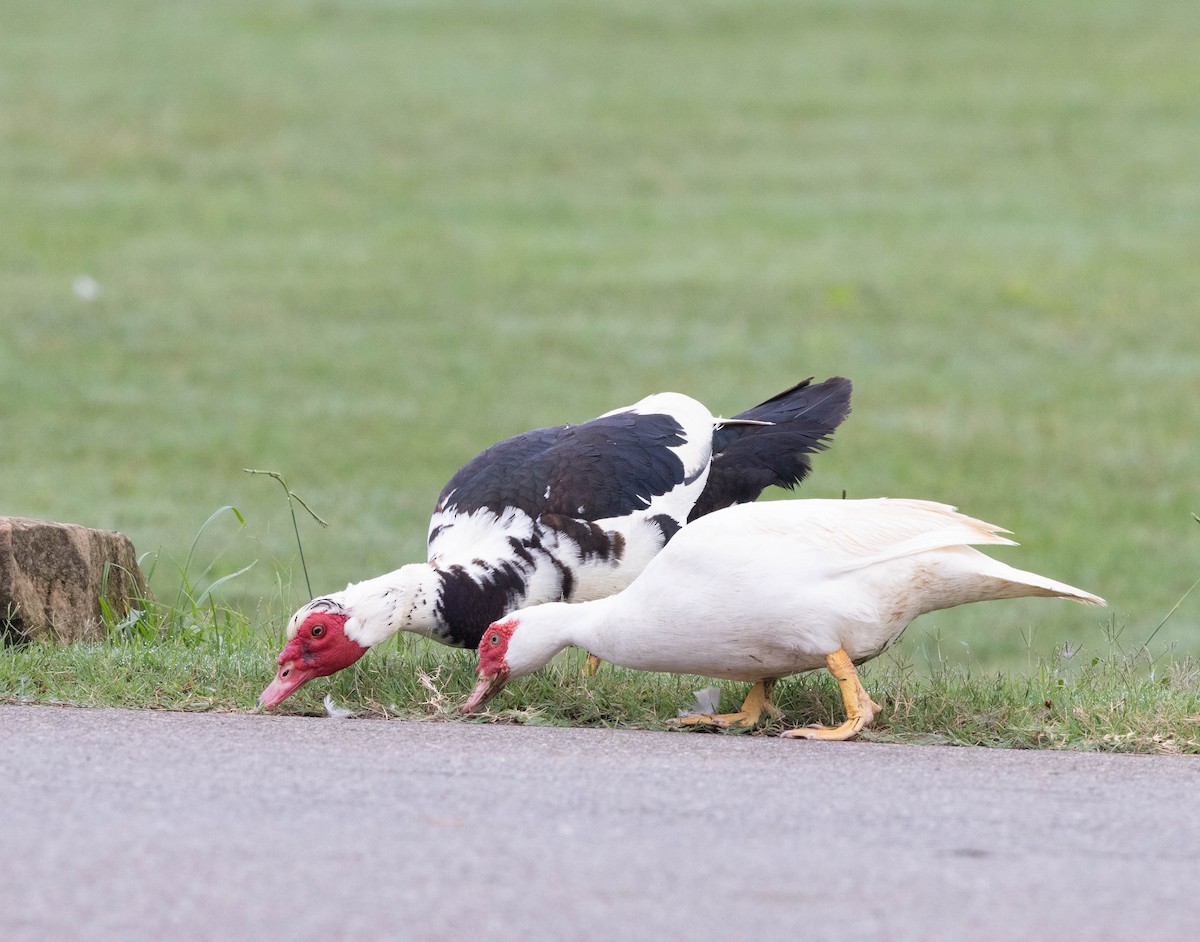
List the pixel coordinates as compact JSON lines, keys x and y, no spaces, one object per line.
{"x":52,"y":577}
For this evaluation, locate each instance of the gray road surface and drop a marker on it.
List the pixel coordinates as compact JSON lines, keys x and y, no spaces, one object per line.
{"x":123,"y":825}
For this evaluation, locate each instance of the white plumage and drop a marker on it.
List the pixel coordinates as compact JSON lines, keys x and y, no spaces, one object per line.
{"x":756,"y":592}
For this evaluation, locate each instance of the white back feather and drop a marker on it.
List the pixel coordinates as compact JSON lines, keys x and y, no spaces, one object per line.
{"x":768,"y":589}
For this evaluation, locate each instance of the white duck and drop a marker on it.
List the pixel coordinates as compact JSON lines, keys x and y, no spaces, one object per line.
{"x":756,"y":592}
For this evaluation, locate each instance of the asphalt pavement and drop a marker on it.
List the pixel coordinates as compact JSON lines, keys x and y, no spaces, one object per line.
{"x":128,"y":825}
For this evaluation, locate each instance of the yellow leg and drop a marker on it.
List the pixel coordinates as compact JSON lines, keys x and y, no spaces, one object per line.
{"x":590,"y":666}
{"x":757,"y":702}
{"x":860,"y":708}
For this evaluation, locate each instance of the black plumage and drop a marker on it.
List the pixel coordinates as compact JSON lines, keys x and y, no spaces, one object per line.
{"x":609,"y":467}
{"x":468,"y":603}
{"x":747,"y":459}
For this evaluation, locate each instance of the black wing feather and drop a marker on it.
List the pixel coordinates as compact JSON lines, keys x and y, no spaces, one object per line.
{"x":749,"y":458}
{"x":608,"y":467}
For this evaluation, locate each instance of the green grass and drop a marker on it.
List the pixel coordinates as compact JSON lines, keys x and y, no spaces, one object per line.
{"x":1120,"y":701}
{"x":356,"y":242}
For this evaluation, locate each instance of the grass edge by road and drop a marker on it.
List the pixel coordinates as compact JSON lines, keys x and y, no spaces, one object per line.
{"x":1112,"y":700}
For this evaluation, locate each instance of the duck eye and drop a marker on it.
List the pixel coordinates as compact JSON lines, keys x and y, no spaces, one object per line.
{"x":285,"y":672}
{"x":318,"y":630}
{"x":494,"y":639}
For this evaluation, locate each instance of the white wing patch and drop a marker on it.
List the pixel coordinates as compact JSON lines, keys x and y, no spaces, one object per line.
{"x":695,"y":453}
{"x":481,"y":534}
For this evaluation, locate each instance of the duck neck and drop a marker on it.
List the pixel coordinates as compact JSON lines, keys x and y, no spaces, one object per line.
{"x":404,"y":600}
{"x":546,"y":629}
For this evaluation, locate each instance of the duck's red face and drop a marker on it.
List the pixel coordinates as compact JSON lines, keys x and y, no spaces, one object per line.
{"x":493,"y":668}
{"x":317,"y":649}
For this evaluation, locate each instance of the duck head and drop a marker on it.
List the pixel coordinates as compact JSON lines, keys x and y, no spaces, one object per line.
{"x":493,"y":669}
{"x":318,"y":645}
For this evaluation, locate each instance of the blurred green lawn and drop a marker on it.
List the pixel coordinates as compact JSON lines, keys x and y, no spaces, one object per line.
{"x":357,"y":242}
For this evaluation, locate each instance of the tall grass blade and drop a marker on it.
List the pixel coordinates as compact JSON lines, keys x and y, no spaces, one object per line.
{"x":187,"y":564}
{"x":1174,"y":608}
{"x":223,"y":580}
{"x":292,"y":495}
